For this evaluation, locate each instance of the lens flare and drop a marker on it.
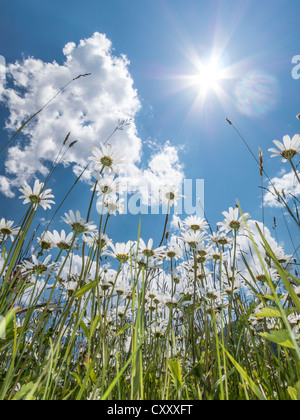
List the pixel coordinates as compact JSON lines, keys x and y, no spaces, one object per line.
{"x":257,"y":94}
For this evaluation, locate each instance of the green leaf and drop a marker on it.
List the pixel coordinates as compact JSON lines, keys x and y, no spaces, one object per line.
{"x":123,"y":329}
{"x":293,"y":393}
{"x":281,"y":338}
{"x":196,"y":371}
{"x":272,"y":312}
{"x":246,"y":377}
{"x":24,"y":390}
{"x":175,"y":368}
{"x":85,"y":330}
{"x":85,"y":289}
{"x":281,"y":272}
{"x":77,"y":377}
{"x":95,"y":324}
{"x":5,"y":321}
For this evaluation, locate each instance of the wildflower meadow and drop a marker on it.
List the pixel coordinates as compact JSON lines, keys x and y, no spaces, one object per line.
{"x":196,"y":314}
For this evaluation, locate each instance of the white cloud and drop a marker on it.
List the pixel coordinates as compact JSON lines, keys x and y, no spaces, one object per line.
{"x":89,"y":108}
{"x":164,"y":168}
{"x":287,"y":184}
{"x":5,"y":187}
{"x":176,"y":223}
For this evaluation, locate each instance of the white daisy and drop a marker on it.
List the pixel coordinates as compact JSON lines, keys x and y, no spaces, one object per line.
{"x":120,"y":251}
{"x":193,"y":238}
{"x":233,"y":222}
{"x":112,"y":204}
{"x":37,"y":196}
{"x":288,"y":149}
{"x":220,"y":238}
{"x":60,"y":240}
{"x":294,"y":318}
{"x":71,"y":286}
{"x":45,"y":241}
{"x":281,"y":257}
{"x":169,"y":194}
{"x":37,"y":267}
{"x":158,"y":329}
{"x":173,"y":251}
{"x":148,"y":250}
{"x":92,"y":240}
{"x":195,"y":223}
{"x":148,"y":262}
{"x":108,"y":277}
{"x":204,"y":252}
{"x":7,"y":229}
{"x":78,"y":223}
{"x":122,"y":287}
{"x":108,"y":184}
{"x":259,"y":274}
{"x":106,"y":159}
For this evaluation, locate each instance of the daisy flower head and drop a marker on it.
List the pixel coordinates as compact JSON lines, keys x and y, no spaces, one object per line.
{"x":148,"y":250}
{"x":108,"y":277}
{"x":173,"y":252}
{"x":259,"y":274}
{"x":195,"y":223}
{"x":106,"y":159}
{"x":61,"y":240}
{"x":169,"y":194}
{"x":108,"y":184}
{"x":120,"y":251}
{"x":233,"y":290}
{"x":204,"y":252}
{"x":171,"y":301}
{"x":148,"y":262}
{"x":92,"y":240}
{"x":122,"y":287}
{"x":71,"y":286}
{"x":45,"y":241}
{"x":193,"y":238}
{"x":228,"y":276}
{"x":212,"y":293}
{"x":7,"y":229}
{"x":220,"y":239}
{"x":37,"y":196}
{"x":105,"y":284}
{"x":112,"y":203}
{"x":232,"y":221}
{"x":78,"y":223}
{"x":158,"y":329}
{"x":288,"y":149}
{"x":37,"y":267}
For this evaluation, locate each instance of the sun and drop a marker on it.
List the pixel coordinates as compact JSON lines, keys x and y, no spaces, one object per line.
{"x":205,"y":80}
{"x":208,"y":76}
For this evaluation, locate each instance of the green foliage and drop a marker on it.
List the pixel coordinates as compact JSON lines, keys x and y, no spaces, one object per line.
{"x":92,"y":336}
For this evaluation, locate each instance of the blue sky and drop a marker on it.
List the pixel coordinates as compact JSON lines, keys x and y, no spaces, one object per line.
{"x":256,"y":42}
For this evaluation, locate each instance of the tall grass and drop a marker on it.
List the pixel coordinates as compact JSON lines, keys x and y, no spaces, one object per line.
{"x":201,"y":318}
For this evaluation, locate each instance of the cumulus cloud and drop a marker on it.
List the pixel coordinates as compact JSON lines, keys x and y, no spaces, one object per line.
{"x":5,"y":187}
{"x":286,"y":184}
{"x":89,"y":108}
{"x":164,"y":168}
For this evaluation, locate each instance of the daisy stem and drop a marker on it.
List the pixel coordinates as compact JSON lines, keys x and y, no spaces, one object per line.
{"x":165,"y":227}
{"x":295,"y":170}
{"x":233,"y":281}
